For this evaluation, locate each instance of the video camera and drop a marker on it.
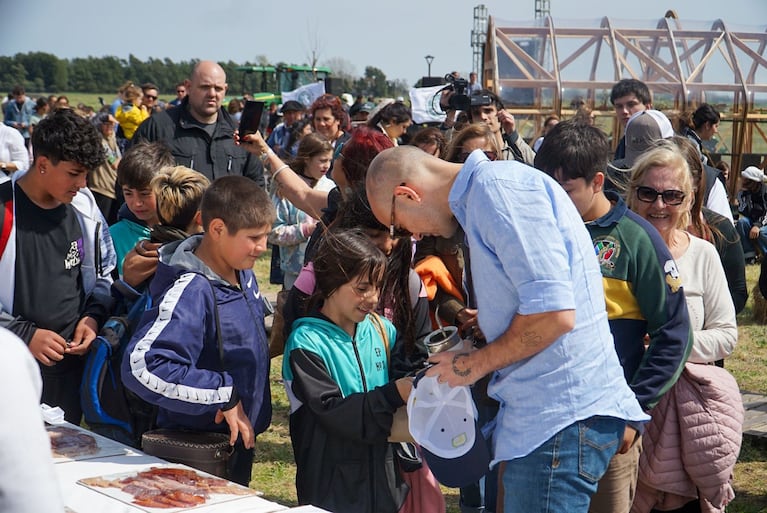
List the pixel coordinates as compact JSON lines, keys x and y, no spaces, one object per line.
{"x":460,"y":100}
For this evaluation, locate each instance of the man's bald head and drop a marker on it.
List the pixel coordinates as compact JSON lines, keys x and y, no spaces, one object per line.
{"x":206,"y":88}
{"x":421,"y":180}
{"x":395,"y":164}
{"x":204,"y":68}
{"x":390,"y":168}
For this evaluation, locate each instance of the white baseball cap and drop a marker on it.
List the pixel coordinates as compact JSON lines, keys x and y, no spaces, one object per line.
{"x":443,"y":420}
{"x":753,"y":173}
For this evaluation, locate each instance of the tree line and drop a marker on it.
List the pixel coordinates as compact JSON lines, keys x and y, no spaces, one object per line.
{"x":42,"y":72}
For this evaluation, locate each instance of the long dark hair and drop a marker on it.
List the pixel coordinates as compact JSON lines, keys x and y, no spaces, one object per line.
{"x":355,"y":212}
{"x":294,"y":133}
{"x":700,"y":228}
{"x":310,"y":146}
{"x":396,"y":112}
{"x":342,"y":256}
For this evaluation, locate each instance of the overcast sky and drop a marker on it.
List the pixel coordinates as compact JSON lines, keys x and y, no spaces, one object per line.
{"x":393,"y":36}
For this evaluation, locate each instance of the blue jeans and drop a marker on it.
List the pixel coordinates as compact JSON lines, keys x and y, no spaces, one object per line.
{"x":743,"y":227}
{"x":562,"y":474}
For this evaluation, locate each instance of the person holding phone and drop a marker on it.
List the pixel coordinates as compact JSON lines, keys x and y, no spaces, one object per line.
{"x":199,"y":132}
{"x":250,"y":117}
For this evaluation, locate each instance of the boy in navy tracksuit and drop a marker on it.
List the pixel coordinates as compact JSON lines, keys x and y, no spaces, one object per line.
{"x":201,"y":352}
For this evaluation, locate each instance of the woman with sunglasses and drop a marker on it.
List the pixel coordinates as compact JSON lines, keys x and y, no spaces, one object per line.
{"x":475,"y":136}
{"x":661,"y":191}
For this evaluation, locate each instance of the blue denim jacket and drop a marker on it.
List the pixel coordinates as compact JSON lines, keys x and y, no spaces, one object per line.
{"x":23,"y":114}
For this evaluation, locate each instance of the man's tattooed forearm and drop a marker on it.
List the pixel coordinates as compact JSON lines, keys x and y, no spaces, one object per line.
{"x":531,"y":339}
{"x":458,"y":372}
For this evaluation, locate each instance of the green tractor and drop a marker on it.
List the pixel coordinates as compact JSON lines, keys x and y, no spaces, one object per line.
{"x":266,"y":83}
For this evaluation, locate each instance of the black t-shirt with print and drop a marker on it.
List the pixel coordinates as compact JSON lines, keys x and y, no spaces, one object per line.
{"x":48,"y":289}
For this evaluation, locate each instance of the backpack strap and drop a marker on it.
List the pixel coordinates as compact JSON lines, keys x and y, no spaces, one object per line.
{"x":414,"y":286}
{"x":381,"y":329}
{"x":6,"y":215}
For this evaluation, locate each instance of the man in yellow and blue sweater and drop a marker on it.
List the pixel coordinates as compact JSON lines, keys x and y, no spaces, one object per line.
{"x":643,"y":291}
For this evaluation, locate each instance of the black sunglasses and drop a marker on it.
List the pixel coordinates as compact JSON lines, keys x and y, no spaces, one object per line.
{"x":490,"y":154}
{"x":670,"y":197}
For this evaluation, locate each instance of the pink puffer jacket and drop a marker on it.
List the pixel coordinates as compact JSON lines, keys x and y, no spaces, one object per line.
{"x":692,"y":442}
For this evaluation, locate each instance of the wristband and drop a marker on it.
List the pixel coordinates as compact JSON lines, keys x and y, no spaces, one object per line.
{"x":278,"y":171}
{"x":265,"y":155}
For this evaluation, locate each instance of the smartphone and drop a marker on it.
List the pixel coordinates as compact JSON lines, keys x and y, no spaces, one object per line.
{"x":251,"y":117}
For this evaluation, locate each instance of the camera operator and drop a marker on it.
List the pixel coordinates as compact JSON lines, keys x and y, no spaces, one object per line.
{"x":485,"y":106}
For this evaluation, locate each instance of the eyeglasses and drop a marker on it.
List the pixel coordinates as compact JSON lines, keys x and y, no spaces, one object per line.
{"x":150,"y":97}
{"x":395,"y":232}
{"x":490,"y":154}
{"x":180,"y":91}
{"x":670,"y":196}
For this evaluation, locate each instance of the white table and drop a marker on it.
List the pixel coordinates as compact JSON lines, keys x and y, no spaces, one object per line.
{"x":82,"y":499}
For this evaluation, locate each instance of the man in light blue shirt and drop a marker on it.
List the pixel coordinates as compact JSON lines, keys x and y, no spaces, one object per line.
{"x":564,"y":400}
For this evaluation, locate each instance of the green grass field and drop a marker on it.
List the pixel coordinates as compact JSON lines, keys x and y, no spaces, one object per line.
{"x":274,"y":469}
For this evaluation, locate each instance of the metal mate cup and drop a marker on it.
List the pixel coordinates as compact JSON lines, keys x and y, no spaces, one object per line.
{"x":443,"y":339}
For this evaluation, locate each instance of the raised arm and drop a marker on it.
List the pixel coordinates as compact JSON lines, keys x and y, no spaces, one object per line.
{"x":292,"y":187}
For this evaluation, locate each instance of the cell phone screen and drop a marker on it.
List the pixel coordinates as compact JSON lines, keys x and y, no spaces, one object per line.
{"x":251,"y":117}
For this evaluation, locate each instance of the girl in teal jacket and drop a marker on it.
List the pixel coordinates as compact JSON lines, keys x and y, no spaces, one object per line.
{"x":336,"y":375}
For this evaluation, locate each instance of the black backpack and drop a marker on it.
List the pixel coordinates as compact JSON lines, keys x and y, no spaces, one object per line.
{"x":109,"y":408}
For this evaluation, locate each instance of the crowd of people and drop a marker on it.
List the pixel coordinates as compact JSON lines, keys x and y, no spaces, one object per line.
{"x":596,"y":291}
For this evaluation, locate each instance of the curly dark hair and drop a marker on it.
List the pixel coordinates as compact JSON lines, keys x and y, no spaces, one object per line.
{"x":328,"y":101}
{"x":66,"y":136}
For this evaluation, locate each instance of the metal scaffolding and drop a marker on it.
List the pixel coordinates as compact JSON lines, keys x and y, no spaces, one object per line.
{"x":541,"y":9}
{"x":546,"y":66}
{"x":478,"y":39}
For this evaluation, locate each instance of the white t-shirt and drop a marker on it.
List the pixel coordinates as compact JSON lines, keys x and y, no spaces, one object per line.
{"x":718,"y":202}
{"x":28,"y":483}
{"x":12,"y":148}
{"x":712,"y":314}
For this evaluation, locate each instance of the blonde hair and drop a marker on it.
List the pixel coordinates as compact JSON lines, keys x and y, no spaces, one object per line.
{"x":665,"y":154}
{"x":178,"y":191}
{"x":132,"y":93}
{"x":470,"y":131}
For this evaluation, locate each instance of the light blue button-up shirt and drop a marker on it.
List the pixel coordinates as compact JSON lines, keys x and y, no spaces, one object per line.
{"x":531,"y":253}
